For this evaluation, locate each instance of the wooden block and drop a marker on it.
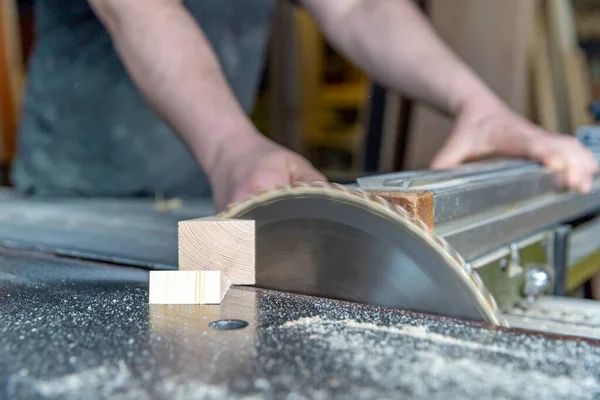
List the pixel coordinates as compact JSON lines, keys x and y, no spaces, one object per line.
{"x":226,"y":245}
{"x":419,"y":204}
{"x":188,"y":287}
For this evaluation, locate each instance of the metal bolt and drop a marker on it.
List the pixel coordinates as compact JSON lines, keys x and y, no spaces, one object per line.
{"x":538,"y":279}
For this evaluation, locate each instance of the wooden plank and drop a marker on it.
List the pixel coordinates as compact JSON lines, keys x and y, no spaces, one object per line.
{"x":226,"y":245}
{"x":419,"y":204}
{"x":310,"y":75}
{"x":284,"y":77}
{"x":11,"y":77}
{"x":572,"y":87}
{"x":579,"y":88}
{"x":390,"y":134}
{"x":187,"y":287}
{"x":544,"y":97}
{"x":491,"y":37}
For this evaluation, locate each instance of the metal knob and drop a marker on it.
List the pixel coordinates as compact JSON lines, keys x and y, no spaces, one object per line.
{"x":538,"y":279}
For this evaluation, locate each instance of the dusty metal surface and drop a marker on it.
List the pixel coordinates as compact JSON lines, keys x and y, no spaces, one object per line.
{"x":126,"y":231}
{"x":72,"y":330}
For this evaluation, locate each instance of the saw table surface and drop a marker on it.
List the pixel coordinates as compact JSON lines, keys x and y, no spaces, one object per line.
{"x":75,"y":323}
{"x":77,"y":329}
{"x":123,"y":231}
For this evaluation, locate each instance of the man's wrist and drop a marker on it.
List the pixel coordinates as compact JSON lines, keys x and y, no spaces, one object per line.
{"x":211,"y":150}
{"x":479,"y":96}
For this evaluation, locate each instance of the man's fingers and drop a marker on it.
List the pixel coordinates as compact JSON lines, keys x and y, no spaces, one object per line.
{"x":568,"y":157}
{"x":587,"y":166}
{"x":453,"y":153}
{"x":303,"y":171}
{"x":310,"y":174}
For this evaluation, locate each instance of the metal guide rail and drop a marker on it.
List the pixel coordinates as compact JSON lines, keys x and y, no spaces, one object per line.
{"x":512,"y":220}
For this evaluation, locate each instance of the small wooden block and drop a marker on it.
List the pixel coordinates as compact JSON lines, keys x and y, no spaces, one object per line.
{"x":226,"y":245}
{"x":188,"y":287}
{"x":418,"y":204}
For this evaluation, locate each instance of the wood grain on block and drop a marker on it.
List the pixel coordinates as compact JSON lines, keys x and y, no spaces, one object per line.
{"x":419,"y":204}
{"x":188,"y":287}
{"x":226,"y":245}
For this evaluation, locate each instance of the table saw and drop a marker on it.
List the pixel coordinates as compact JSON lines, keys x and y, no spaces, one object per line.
{"x":509,"y":240}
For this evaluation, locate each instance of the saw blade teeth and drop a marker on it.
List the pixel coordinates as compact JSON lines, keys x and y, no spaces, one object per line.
{"x":422,"y":224}
{"x":455,"y":254}
{"x":368,"y":196}
{"x":492,"y":301}
{"x":337,"y":186}
{"x":321,"y":184}
{"x":382,"y":201}
{"x":402,"y":211}
{"x":357,"y":192}
{"x":468,"y":268}
{"x":228,"y":208}
{"x":450,"y":250}
{"x":260,"y":193}
{"x":299,"y":184}
{"x":477,"y":279}
{"x":249,"y":198}
{"x":442,"y":242}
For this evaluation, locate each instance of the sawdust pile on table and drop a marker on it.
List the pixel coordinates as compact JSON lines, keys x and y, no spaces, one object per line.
{"x":430,"y":363}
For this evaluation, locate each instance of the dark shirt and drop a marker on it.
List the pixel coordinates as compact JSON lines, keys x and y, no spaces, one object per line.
{"x":86,"y":130}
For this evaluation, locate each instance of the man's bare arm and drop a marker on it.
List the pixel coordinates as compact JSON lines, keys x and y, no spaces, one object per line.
{"x":174,"y":66}
{"x":393,"y":42}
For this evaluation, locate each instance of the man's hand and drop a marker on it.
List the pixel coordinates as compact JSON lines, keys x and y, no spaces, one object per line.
{"x":392,"y":41}
{"x":486,"y":128}
{"x":245,"y":169}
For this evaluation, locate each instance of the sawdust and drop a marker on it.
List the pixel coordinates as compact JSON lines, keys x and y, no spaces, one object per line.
{"x":173,"y":389}
{"x":102,"y":381}
{"x":163,"y":204}
{"x":113,"y":382}
{"x":418,"y":332}
{"x":471,"y":376}
{"x":70,"y":341}
{"x":427,"y":367}
{"x":563,"y":316}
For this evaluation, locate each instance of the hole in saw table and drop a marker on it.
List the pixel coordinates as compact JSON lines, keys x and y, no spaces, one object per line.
{"x":228,"y":324}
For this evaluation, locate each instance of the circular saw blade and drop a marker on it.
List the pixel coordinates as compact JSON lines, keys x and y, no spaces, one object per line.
{"x":331,"y":241}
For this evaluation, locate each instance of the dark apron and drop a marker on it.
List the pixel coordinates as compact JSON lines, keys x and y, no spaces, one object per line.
{"x":85,"y":129}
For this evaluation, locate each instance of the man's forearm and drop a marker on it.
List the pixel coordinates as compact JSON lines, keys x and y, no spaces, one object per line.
{"x":393,"y":42}
{"x":173,"y":65}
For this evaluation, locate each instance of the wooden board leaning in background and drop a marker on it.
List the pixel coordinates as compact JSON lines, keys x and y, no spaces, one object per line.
{"x":492,"y":38}
{"x":11,"y":77}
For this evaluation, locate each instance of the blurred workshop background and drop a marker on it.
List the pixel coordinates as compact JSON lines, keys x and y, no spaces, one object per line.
{"x":541,"y":56}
